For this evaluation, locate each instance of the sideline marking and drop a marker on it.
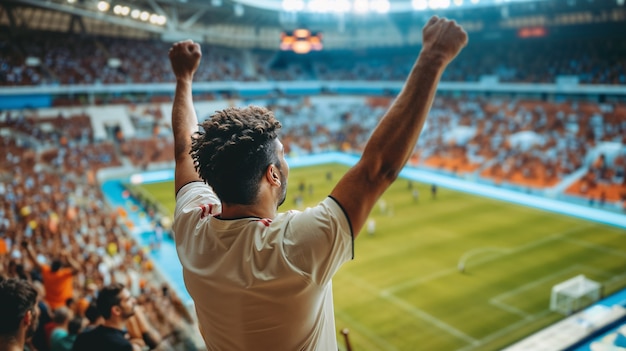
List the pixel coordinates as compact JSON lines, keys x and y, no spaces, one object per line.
{"x":365,"y":331}
{"x":596,"y":247}
{"x":505,"y":330}
{"x":416,"y":312}
{"x":494,"y":301}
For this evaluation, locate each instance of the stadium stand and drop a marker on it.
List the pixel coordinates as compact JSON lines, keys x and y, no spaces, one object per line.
{"x":51,"y":204}
{"x":70,"y":59}
{"x":572,"y":147}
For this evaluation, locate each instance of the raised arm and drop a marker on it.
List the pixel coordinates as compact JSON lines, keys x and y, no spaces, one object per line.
{"x":185,"y":57}
{"x":392,"y":142}
{"x":31,"y":254}
{"x":76,"y":267}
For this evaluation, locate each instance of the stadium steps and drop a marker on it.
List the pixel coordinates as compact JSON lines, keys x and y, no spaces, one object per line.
{"x":568,"y":181}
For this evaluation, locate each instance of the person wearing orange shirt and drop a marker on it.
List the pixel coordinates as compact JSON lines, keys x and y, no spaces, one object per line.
{"x":57,"y":279}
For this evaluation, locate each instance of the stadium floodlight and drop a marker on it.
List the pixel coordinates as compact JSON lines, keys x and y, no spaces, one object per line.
{"x":444,"y":4}
{"x":293,"y":5}
{"x":135,"y":13}
{"x":145,"y":15}
{"x":458,"y":2}
{"x":419,"y":5}
{"x":342,"y":6}
{"x":320,"y":6}
{"x":71,"y":1}
{"x":361,"y":6}
{"x":474,"y":1}
{"x":103,"y":6}
{"x":380,"y":6}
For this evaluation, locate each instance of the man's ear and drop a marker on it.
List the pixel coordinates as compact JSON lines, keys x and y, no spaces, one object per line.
{"x":116,"y":310}
{"x":28,"y":318}
{"x":273,"y":175}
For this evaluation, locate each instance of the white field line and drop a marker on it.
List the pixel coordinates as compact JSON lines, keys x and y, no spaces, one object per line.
{"x":427,"y":317}
{"x":509,"y":308}
{"x":615,"y":279}
{"x":538,"y":282}
{"x":497,"y":300}
{"x":505,"y":330}
{"x":466,"y":256}
{"x":444,"y":272}
{"x":386,"y":293}
{"x":597,"y":247}
{"x":366,"y":332}
{"x":414,"y":311}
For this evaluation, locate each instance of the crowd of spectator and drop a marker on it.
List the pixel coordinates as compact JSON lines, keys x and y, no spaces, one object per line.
{"x":62,"y":58}
{"x":530,"y":143}
{"x":527,"y":143}
{"x":58,"y":233}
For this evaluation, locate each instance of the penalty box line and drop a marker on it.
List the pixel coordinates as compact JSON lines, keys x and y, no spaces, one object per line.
{"x":412,"y":310}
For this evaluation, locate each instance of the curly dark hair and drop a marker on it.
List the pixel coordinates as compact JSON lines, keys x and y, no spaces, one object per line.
{"x":16,"y":298}
{"x":233,"y":149}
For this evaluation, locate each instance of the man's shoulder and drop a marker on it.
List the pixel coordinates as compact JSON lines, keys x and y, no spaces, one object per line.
{"x":102,"y":338}
{"x":102,"y":333}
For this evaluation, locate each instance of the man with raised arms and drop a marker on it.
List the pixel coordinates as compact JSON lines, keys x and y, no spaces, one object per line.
{"x":261,"y":280}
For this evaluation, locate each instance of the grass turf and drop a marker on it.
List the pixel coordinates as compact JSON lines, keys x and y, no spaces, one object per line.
{"x":403,"y":290}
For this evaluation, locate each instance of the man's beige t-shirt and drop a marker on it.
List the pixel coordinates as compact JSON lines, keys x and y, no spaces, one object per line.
{"x":261,"y":284}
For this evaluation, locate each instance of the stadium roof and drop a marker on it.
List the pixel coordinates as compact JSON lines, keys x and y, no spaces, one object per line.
{"x":246,"y":23}
{"x":184,"y":14}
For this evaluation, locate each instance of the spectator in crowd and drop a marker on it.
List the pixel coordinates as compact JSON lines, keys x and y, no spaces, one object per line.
{"x":116,"y":305}
{"x":94,"y":318}
{"x":262,"y":297}
{"x":59,"y":327}
{"x":18,"y":314}
{"x":65,"y":341}
{"x":57,"y":279}
{"x":40,"y":341}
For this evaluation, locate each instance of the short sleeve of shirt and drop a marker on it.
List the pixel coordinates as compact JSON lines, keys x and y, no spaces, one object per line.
{"x":319,"y":240}
{"x":194,"y":202}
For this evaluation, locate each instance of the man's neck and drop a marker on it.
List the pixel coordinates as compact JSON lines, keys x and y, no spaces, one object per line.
{"x":11,"y":344}
{"x":235,"y":211}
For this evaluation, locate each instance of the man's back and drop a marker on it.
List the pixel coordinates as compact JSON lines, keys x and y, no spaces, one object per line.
{"x":258,"y":283}
{"x":58,"y":285}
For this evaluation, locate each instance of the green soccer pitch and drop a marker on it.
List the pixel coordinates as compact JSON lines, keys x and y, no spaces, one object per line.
{"x":404,"y":289}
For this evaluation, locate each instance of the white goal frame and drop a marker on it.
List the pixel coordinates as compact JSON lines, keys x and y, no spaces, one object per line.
{"x":574,"y":294}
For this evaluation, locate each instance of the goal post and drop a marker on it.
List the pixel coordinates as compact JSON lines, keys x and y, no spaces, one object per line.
{"x":574,"y":294}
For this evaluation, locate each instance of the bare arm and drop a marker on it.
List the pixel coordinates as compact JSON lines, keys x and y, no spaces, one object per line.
{"x":392,"y":142}
{"x":71,"y":261}
{"x":31,"y":254}
{"x":185,"y":57}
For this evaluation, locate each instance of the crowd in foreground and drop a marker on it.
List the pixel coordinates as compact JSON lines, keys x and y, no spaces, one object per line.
{"x":59,"y":236}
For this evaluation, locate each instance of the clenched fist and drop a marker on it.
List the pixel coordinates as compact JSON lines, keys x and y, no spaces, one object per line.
{"x":185,"y":57}
{"x":443,"y":38}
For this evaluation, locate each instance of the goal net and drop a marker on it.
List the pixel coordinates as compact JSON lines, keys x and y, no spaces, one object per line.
{"x":574,"y":294}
